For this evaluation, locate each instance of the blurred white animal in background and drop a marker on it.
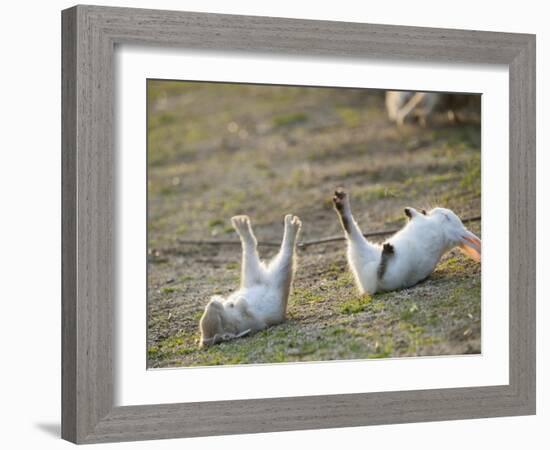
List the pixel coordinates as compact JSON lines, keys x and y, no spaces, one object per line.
{"x":406,"y":106}
{"x":410,"y":255}
{"x":261,"y":300}
{"x":402,"y":106}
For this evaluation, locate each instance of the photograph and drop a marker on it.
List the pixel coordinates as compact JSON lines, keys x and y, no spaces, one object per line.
{"x":273,"y":223}
{"x":292,"y":224}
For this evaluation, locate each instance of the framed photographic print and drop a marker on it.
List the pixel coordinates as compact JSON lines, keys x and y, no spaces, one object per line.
{"x":268,"y":222}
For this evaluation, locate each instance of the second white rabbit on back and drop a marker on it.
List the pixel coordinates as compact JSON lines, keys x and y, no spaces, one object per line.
{"x":410,"y":255}
{"x":262,"y":298}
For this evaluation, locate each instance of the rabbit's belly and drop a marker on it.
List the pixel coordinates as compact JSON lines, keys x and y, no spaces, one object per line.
{"x":269,"y":310}
{"x":418,"y":274}
{"x":264,"y":304}
{"x":402,"y":276}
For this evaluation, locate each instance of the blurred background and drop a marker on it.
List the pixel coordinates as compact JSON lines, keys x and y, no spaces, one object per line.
{"x":216,"y":150}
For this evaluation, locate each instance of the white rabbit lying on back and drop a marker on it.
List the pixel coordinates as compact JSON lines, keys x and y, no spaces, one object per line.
{"x":262,"y":298}
{"x":410,"y":255}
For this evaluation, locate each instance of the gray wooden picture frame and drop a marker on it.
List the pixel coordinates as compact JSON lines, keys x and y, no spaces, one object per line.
{"x":90,"y":34}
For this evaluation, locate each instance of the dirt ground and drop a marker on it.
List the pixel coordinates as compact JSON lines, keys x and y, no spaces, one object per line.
{"x":218,"y":150}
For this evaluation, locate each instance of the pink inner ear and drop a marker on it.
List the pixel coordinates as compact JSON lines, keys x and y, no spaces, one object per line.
{"x":471,"y":252}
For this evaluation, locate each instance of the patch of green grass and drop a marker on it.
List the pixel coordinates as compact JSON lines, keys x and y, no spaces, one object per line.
{"x":178,"y":344}
{"x":168,"y":290}
{"x":289,"y":119}
{"x":242,"y":351}
{"x":382,"y":350}
{"x":301,"y":295}
{"x":378,"y":192}
{"x":262,"y":164}
{"x":213,"y":223}
{"x":197,"y":315}
{"x":301,"y":177}
{"x":166,"y":119}
{"x":171,"y":138}
{"x":414,"y":335}
{"x":163,"y":89}
{"x":455,"y":296}
{"x":350,"y":116}
{"x":463,"y":294}
{"x":428,"y":181}
{"x":433,"y":319}
{"x":167,"y":190}
{"x":152,"y":351}
{"x":355,"y":305}
{"x":334,"y":269}
{"x":396,"y":220}
{"x":377,"y":306}
{"x":265,"y":168}
{"x":195,"y":134}
{"x":472,"y":177}
{"x":343,"y":280}
{"x":338,"y":331}
{"x":157,"y":224}
{"x":452,"y":264}
{"x":284,"y":343}
{"x":409,"y":313}
{"x":181,"y":229}
{"x":233,"y":201}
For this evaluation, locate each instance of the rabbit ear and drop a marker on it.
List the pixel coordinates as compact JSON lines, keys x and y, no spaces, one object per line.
{"x":243,"y":333}
{"x":470,"y":244}
{"x":411,"y":212}
{"x":230,"y":336}
{"x":223,"y":338}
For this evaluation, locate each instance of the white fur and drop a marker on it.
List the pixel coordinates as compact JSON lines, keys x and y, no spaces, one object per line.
{"x":418,"y":247}
{"x":262,"y":298}
{"x":401,"y":104}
